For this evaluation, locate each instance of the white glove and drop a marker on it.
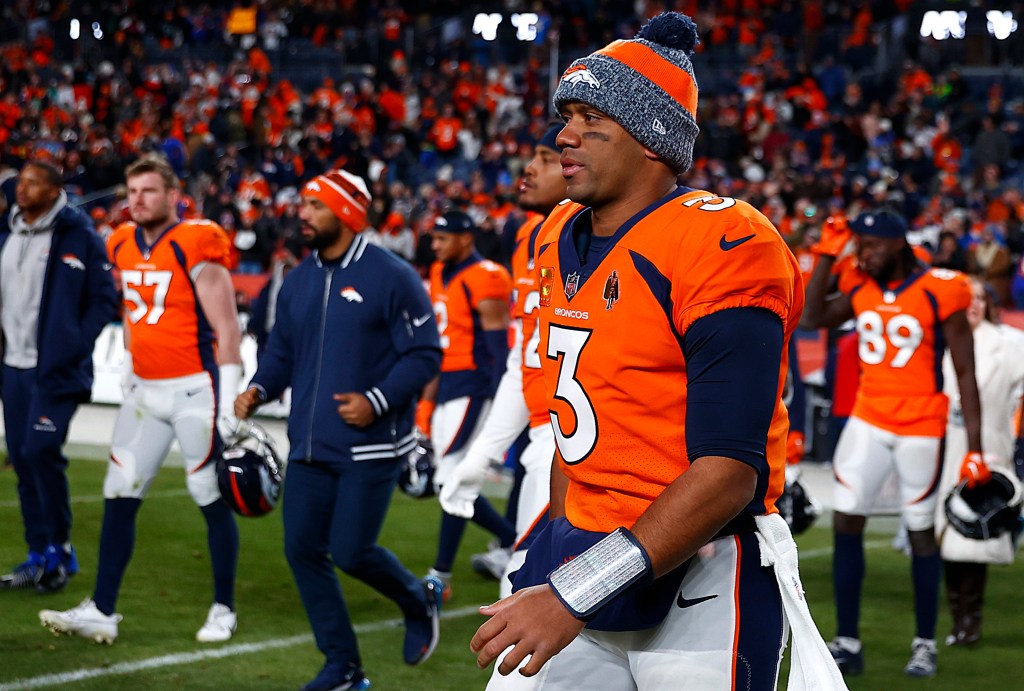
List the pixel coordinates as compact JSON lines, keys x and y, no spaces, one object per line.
{"x":792,"y":473}
{"x":461,"y":489}
{"x":227,"y":423}
{"x":127,"y":374}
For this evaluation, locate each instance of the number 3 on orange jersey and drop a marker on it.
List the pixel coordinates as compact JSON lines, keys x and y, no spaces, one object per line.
{"x":569,"y":343}
{"x":131,"y":280}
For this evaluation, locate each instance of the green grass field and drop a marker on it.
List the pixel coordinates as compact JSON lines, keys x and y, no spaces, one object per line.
{"x":167,"y":591}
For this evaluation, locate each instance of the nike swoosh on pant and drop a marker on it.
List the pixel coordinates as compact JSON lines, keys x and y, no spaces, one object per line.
{"x":684,"y":603}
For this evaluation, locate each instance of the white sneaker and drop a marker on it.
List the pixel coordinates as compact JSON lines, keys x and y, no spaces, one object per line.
{"x":85,"y":620}
{"x":491,"y":563}
{"x":221,"y":622}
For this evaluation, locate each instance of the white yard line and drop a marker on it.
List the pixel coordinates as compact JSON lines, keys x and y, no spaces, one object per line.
{"x":123,"y":668}
{"x":93,"y":498}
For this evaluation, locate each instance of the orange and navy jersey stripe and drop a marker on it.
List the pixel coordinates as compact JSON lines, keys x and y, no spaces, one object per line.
{"x":611,"y":344}
{"x":900,"y":347}
{"x":456,"y":293}
{"x":168,"y":333}
{"x":526,"y":298}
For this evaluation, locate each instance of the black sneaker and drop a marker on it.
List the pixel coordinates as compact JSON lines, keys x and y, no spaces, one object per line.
{"x":339,"y":676}
{"x":848,"y":654}
{"x":53,"y":581}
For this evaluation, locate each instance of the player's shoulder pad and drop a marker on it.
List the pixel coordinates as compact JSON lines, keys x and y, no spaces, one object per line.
{"x":723,"y":223}
{"x":125,"y":228}
{"x":492,"y":267}
{"x":943,"y":274}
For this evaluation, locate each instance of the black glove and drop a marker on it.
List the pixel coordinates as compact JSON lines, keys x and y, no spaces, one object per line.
{"x":1018,"y":458}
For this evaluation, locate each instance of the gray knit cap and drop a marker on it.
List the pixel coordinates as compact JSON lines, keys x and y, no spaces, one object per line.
{"x":645,"y":84}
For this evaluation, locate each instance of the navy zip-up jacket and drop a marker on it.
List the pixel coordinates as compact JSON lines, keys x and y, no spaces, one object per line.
{"x":363,"y":324}
{"x":79,"y":298}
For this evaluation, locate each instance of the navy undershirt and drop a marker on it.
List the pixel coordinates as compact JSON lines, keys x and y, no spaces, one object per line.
{"x":732,"y":370}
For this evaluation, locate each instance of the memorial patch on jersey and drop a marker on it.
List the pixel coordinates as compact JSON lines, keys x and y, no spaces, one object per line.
{"x":611,"y":290}
{"x":547,"y":285}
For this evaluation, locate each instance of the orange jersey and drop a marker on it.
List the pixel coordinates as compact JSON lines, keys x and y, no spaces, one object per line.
{"x":168,"y":334}
{"x":900,"y":345}
{"x":526,"y":298}
{"x":611,"y":344}
{"x":456,"y":294}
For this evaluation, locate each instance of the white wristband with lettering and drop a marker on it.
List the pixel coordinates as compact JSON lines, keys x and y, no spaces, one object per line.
{"x":600,"y":573}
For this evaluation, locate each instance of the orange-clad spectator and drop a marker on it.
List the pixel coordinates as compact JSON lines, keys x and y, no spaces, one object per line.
{"x":915,"y":80}
{"x":444,"y":135}
{"x":749,"y":32}
{"x":467,"y":92}
{"x":325,"y":96}
{"x":253,"y":186}
{"x":321,"y":127}
{"x":946,"y":149}
{"x":814,"y":16}
{"x":861,"y":32}
{"x":392,"y":103}
{"x":363,"y":120}
{"x":42,"y":50}
{"x":259,"y":63}
{"x":10,"y":111}
{"x":249,"y":101}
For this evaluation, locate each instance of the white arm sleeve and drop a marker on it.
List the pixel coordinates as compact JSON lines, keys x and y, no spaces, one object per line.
{"x":509,"y":415}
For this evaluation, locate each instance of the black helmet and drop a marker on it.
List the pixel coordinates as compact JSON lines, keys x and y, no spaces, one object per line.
{"x":797,"y":507}
{"x":249,"y":472}
{"x":417,"y":478}
{"x":987,"y":510}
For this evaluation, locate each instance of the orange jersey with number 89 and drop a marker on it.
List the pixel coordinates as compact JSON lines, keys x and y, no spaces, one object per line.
{"x":900,"y":347}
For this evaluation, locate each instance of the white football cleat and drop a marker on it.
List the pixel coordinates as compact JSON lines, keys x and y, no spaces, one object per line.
{"x":85,"y":620}
{"x":220,"y":624}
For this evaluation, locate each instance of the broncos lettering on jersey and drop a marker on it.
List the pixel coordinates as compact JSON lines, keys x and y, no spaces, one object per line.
{"x":526,"y":296}
{"x":456,"y":292}
{"x":611,"y":343}
{"x":900,"y":345}
{"x":168,"y":334}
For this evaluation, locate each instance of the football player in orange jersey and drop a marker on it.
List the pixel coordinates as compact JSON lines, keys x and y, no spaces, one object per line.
{"x":664,"y":317}
{"x":182,"y":336}
{"x":471,"y":296}
{"x":520,"y":401}
{"x":907,"y":315}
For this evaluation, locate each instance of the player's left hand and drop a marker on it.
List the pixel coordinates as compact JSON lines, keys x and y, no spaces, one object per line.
{"x":534,"y":621}
{"x":355,"y":409}
{"x":974,"y":470}
{"x":1018,"y":458}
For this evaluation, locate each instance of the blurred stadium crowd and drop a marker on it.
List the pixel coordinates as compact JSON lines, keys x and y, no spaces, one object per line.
{"x":808,"y":109}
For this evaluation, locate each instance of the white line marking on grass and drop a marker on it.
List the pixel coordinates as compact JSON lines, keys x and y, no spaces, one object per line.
{"x":92,"y":498}
{"x":123,"y":668}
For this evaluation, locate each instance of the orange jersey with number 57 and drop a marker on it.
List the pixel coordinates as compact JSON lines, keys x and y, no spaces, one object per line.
{"x":900,"y":345}
{"x":168,"y":333}
{"x":611,"y":344}
{"x":526,"y":296}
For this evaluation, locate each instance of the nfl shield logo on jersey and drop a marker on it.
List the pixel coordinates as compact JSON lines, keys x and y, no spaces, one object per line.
{"x":572,"y":284}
